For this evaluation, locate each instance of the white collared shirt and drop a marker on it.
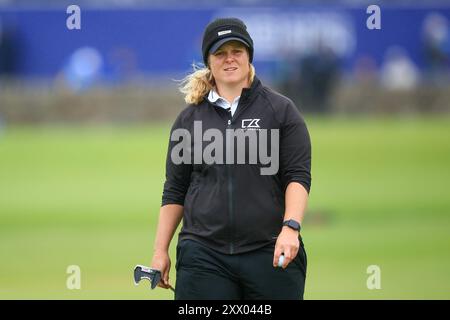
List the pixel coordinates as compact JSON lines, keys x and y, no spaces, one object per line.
{"x":214,"y":97}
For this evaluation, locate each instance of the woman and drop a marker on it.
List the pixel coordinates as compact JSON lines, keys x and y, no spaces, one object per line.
{"x":241,"y":208}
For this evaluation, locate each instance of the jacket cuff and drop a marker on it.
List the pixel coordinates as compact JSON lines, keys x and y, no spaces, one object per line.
{"x":302,"y":182}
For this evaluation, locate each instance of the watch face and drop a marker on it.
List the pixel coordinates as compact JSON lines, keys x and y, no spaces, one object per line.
{"x":293,"y":224}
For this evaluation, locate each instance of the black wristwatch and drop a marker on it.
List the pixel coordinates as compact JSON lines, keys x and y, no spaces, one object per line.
{"x":292,"y":224}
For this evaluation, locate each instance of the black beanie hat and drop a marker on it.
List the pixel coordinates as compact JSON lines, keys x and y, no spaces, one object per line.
{"x":223,"y":30}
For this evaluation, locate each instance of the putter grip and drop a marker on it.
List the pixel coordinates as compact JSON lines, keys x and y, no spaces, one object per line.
{"x":281,"y":260}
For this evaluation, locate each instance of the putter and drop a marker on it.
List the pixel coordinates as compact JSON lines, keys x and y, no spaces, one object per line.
{"x":153,"y":275}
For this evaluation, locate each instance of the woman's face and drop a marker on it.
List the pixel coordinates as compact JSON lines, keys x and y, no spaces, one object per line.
{"x":230,"y":64}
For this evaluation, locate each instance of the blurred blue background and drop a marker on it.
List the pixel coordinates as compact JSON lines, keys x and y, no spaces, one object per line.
{"x":166,"y":40}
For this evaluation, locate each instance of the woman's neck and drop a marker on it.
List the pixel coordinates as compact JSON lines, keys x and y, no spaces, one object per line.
{"x":230,"y":93}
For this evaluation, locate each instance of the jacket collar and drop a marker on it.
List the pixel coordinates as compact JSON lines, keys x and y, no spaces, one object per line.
{"x":247,"y":96}
{"x":247,"y":93}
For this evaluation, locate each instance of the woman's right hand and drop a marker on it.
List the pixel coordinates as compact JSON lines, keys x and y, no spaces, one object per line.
{"x":161,"y":261}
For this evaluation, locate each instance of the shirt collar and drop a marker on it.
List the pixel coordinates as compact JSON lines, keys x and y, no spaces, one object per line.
{"x":213,"y":96}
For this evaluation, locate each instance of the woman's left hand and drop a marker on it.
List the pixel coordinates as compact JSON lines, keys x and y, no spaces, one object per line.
{"x":287,"y":244}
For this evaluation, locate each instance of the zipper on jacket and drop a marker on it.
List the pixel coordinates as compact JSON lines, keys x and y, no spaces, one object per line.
{"x":230,"y":197}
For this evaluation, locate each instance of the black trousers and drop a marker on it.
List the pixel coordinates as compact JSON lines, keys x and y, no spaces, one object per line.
{"x":205,"y":274}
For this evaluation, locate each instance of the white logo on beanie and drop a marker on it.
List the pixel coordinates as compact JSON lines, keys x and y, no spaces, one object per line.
{"x":220,"y":33}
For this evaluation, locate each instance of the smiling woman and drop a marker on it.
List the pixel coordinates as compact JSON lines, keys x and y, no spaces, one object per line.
{"x":240,"y":237}
{"x":230,"y":68}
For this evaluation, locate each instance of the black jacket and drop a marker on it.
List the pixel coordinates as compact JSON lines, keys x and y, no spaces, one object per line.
{"x":232,"y":208}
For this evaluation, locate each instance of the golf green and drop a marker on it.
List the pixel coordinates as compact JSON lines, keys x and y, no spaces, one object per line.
{"x":89,"y":196}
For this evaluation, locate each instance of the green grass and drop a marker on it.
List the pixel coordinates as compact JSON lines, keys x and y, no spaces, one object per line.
{"x":90,"y":196}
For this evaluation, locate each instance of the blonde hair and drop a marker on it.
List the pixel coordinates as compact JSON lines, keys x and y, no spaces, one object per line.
{"x":197,"y":84}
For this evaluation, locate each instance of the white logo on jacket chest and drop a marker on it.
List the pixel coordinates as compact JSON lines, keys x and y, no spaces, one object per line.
{"x":250,"y":124}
